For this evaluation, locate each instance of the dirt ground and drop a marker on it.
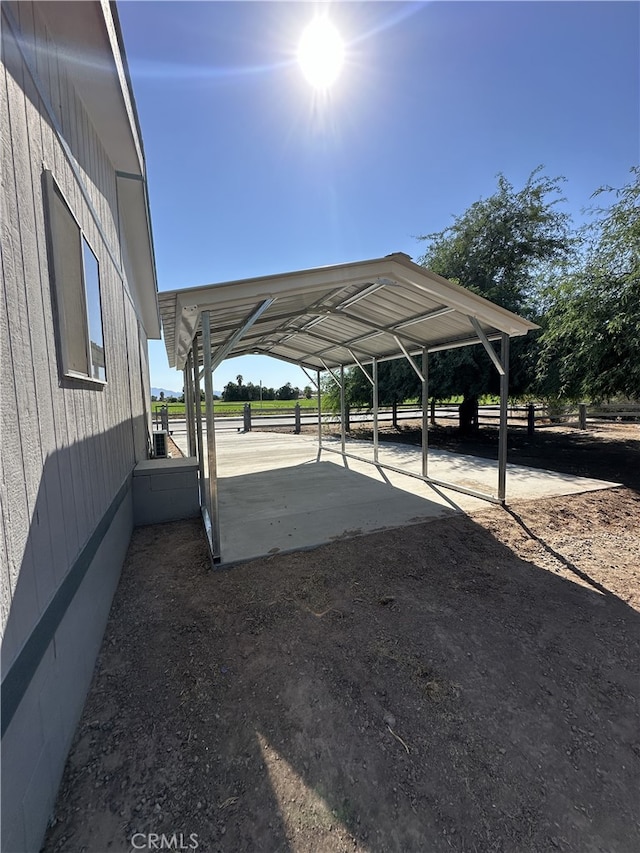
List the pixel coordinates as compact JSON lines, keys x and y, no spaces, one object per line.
{"x":470,"y":684}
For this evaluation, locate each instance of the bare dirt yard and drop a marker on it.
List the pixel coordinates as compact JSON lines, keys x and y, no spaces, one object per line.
{"x":469,"y":684}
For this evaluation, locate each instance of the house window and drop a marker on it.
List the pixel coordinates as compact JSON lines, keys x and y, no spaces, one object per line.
{"x":76,"y":288}
{"x":94,"y":312}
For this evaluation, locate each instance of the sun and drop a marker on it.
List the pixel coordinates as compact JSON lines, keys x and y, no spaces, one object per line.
{"x":321,"y":53}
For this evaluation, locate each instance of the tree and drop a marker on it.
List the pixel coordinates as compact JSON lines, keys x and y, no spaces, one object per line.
{"x":307,"y":392}
{"x":589,"y":346}
{"x":286,"y":392}
{"x":231,"y":393}
{"x":499,"y":248}
{"x":239,"y":377}
{"x":502,"y":248}
{"x":395,"y":384}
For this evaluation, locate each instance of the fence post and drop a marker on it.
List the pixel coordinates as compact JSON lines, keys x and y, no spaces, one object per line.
{"x":297,"y":419}
{"x":582,"y":415}
{"x":531,"y":420}
{"x":432,"y":415}
{"x":347,"y":420}
{"x":247,"y":417}
{"x":394,"y":414}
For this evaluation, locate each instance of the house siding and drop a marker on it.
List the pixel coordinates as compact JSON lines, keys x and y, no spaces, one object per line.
{"x":67,"y":447}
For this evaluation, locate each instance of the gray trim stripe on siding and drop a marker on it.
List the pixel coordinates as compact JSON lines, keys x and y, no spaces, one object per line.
{"x":22,"y":670}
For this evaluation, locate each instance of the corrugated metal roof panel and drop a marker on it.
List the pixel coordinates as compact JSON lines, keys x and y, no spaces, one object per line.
{"x":321,"y":316}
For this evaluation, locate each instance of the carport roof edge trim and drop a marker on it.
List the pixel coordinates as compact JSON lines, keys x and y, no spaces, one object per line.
{"x":181,"y":308}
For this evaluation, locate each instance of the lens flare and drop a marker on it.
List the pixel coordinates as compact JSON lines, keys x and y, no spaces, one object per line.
{"x":321,"y":53}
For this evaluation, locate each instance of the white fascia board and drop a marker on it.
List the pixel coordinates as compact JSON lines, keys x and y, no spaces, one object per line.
{"x":213,"y":296}
{"x":113,"y":30}
{"x":135,"y":236}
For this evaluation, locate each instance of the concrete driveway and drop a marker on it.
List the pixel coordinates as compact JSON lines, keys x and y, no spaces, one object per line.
{"x":278,"y":493}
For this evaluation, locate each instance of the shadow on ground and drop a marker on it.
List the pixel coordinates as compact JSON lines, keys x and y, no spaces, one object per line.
{"x":422,"y":689}
{"x":567,"y":451}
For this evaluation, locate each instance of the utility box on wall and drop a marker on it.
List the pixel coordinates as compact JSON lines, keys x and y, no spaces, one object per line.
{"x":160,"y":450}
{"x":165,"y":490}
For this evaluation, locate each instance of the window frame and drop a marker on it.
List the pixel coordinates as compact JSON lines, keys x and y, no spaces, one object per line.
{"x":69,"y":278}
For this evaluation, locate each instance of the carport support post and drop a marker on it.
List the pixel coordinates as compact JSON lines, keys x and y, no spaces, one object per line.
{"x":319,"y":410}
{"x":186,"y":394}
{"x":192,"y":404}
{"x":342,"y":410}
{"x":425,"y":412}
{"x":199,"y":438}
{"x":189,"y":405}
{"x":374,"y":376}
{"x":212,"y":481}
{"x":504,"y":401}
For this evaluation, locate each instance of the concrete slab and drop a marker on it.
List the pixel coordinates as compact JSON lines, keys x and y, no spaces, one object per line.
{"x":472,"y":472}
{"x":305,"y":505}
{"x":277,"y":493}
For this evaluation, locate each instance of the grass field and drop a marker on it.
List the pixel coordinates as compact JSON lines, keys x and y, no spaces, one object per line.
{"x":237,"y":408}
{"x":222,"y":408}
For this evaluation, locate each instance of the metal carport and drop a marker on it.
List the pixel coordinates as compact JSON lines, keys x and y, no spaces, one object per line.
{"x":326,"y":319}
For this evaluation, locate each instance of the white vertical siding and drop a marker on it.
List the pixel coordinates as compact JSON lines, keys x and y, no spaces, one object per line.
{"x":73,"y":444}
{"x":66,"y":448}
{"x":20,"y":426}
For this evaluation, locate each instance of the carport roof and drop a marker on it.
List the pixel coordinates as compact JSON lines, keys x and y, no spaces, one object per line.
{"x":336,"y":315}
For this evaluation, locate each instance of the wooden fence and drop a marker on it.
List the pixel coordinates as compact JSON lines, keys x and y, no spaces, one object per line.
{"x":540,"y":415}
{"x":532,"y":415}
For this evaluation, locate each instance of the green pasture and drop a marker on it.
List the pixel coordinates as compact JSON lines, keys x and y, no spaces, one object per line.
{"x":237,"y":408}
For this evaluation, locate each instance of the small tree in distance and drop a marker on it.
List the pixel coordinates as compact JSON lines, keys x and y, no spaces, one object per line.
{"x":287,"y":392}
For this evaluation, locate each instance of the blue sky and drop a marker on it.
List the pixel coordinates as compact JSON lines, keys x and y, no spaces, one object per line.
{"x":251,"y":172}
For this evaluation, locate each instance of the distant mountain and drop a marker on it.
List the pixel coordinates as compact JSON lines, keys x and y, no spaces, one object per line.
{"x":155,"y":392}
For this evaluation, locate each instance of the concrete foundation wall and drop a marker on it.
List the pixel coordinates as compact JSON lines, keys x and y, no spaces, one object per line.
{"x":37,"y":740}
